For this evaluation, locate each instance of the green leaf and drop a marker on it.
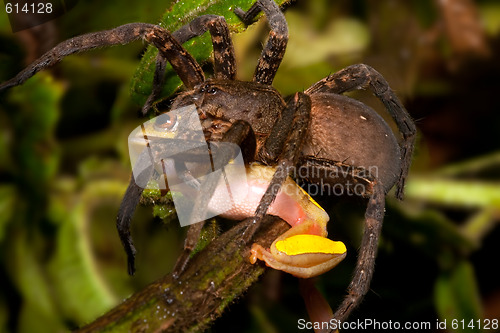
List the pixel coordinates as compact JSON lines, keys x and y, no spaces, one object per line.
{"x":457,"y":298}
{"x":455,"y":193}
{"x":35,"y":148}
{"x":32,"y":319}
{"x":80,"y":288}
{"x":181,"y":13}
{"x":28,"y":275}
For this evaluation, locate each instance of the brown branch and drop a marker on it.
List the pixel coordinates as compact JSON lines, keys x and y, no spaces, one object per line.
{"x":214,"y":278}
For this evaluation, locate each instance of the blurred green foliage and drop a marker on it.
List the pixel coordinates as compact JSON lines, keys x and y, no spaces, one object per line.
{"x":64,"y":166}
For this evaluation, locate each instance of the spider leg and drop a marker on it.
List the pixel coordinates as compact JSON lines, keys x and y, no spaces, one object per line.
{"x":187,"y":68}
{"x":126,"y":211}
{"x":291,"y":141}
{"x":158,"y":81}
{"x":121,"y":35}
{"x":273,"y":52}
{"x":183,"y":63}
{"x":224,"y":60}
{"x":361,"y":76}
{"x":329,"y":173}
{"x":239,"y":133}
{"x":363,"y":272}
{"x":281,"y":131}
{"x":127,"y":208}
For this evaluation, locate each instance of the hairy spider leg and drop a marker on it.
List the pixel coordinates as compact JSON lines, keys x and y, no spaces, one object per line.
{"x":325,"y":170}
{"x":361,"y":76}
{"x":224,"y":60}
{"x":292,"y":142}
{"x":273,"y":52}
{"x":126,"y":212}
{"x":121,"y":35}
{"x":183,"y":63}
{"x":363,"y":272}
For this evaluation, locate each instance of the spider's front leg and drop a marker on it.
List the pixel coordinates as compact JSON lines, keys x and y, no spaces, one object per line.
{"x":121,"y":35}
{"x":189,"y":71}
{"x":223,"y":51}
{"x":126,"y":211}
{"x":358,"y":181}
{"x":284,"y":145}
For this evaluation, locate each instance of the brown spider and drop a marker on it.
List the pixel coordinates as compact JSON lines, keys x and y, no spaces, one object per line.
{"x":317,"y":130}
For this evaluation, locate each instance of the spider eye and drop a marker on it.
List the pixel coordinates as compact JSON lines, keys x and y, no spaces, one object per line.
{"x":208,"y":89}
{"x":165,"y":122}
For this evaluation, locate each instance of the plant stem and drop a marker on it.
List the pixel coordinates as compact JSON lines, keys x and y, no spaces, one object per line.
{"x":214,"y":278}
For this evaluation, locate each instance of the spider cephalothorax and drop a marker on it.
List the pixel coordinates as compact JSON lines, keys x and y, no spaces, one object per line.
{"x":336,"y":139}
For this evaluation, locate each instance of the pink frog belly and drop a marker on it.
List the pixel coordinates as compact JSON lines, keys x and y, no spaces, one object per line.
{"x":292,"y":204}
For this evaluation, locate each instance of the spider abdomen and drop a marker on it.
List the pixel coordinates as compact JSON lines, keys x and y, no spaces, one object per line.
{"x":346,"y":130}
